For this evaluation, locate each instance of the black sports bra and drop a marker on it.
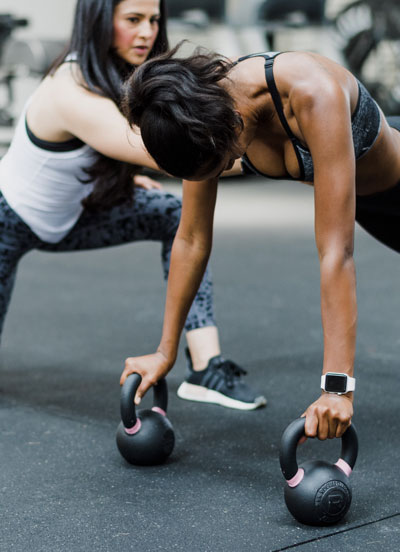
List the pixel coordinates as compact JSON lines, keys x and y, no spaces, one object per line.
{"x":365,"y":123}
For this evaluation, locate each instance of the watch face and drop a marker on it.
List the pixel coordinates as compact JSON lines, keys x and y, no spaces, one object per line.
{"x":335,"y":383}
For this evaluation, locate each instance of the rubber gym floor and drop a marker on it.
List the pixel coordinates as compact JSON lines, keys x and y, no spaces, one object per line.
{"x":74,"y":318}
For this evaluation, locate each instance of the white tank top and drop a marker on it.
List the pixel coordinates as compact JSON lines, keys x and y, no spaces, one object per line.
{"x":44,"y":187}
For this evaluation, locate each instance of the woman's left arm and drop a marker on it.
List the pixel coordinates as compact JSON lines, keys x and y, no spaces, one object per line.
{"x":324,"y":118}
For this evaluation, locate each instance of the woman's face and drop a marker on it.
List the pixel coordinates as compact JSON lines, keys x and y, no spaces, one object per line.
{"x":135,"y":25}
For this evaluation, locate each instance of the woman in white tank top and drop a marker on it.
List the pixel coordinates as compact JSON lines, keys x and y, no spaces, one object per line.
{"x":70,"y":179}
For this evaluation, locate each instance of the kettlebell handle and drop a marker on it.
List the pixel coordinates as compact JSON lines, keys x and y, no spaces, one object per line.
{"x":291,"y":437}
{"x":128,"y":392}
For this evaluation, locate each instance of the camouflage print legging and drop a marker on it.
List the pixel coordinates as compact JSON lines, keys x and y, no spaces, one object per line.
{"x":154,"y":216}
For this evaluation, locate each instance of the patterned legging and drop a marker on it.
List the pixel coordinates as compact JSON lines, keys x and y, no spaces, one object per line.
{"x":153,"y":216}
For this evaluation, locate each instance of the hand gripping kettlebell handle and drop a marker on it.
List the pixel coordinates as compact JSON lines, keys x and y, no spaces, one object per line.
{"x":128,"y":392}
{"x":291,"y":437}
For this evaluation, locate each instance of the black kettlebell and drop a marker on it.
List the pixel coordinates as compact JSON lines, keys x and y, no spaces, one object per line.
{"x":146,"y":438}
{"x":317,"y":492}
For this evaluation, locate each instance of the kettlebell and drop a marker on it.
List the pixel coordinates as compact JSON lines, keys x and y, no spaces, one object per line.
{"x":146,"y":438}
{"x":317,"y":492}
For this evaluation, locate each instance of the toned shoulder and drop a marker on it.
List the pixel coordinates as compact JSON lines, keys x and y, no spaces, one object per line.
{"x":308,"y":75}
{"x":299,"y":72}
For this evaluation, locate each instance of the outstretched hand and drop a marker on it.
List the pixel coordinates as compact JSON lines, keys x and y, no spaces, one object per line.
{"x":151,"y":367}
{"x":329,"y":416}
{"x":143,"y":181}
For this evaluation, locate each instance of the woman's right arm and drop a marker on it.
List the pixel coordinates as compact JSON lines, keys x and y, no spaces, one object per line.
{"x":190,"y":253}
{"x":97,"y":121}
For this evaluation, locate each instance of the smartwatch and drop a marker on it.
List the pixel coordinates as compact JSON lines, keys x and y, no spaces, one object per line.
{"x":335,"y":382}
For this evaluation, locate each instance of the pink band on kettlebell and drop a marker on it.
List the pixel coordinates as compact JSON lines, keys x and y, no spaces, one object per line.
{"x":159,"y":410}
{"x":296,"y":479}
{"x":342,"y":465}
{"x":134,"y":429}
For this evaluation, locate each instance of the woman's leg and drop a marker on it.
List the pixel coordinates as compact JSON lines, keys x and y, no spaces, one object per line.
{"x":379,"y":214}
{"x":16,"y":239}
{"x":203,"y":344}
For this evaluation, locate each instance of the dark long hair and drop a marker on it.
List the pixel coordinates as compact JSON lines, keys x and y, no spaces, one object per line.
{"x":187,"y":119}
{"x":104,"y":73}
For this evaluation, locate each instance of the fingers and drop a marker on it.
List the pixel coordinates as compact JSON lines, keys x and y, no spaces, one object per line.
{"x":157,"y":185}
{"x":145,"y":385}
{"x":328,"y":417}
{"x":146,"y":182}
{"x":341,"y":428}
{"x":311,"y":425}
{"x":150,"y":367}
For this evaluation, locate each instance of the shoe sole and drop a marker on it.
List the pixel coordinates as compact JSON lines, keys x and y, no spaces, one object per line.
{"x":191,"y":392}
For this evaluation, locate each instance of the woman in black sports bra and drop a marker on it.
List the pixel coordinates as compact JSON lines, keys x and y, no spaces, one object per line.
{"x":291,"y":115}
